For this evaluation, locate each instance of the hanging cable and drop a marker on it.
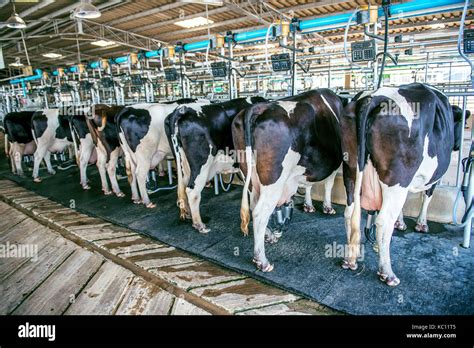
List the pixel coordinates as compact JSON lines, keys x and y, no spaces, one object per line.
{"x":24,"y":46}
{"x":351,"y":63}
{"x":386,"y":5}
{"x":266,"y":46}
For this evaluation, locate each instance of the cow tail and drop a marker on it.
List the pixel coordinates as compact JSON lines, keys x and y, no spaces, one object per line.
{"x":74,"y":140}
{"x":245,"y":208}
{"x":104,"y":122}
{"x":7,"y":151}
{"x":174,"y":136}
{"x":364,"y":108}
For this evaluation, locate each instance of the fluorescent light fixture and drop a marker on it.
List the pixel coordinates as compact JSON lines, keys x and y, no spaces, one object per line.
{"x":52,"y":55}
{"x":86,"y":10}
{"x":16,"y":64}
{"x":15,"y":22}
{"x":194,"y":22}
{"x":204,"y":2}
{"x":103,"y":43}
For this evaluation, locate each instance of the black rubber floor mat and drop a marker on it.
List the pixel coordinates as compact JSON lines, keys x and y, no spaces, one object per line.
{"x":435,"y":272}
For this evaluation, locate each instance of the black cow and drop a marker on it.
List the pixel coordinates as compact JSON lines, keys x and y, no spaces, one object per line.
{"x":296,"y":141}
{"x":201,"y":139}
{"x":397,"y":140}
{"x":106,"y":140}
{"x":18,"y":138}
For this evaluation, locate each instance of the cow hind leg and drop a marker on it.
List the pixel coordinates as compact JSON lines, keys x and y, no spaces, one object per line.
{"x":84,"y":157}
{"x":400,"y":223}
{"x":111,"y":169}
{"x":392,"y":203}
{"x":308,"y":202}
{"x":38,"y":157}
{"x":101,"y":166}
{"x":17,"y":158}
{"x":328,"y":185}
{"x":142,"y":169}
{"x":267,"y":202}
{"x":422,"y":222}
{"x":47,"y":160}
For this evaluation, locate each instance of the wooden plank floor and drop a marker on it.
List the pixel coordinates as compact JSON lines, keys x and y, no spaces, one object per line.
{"x":67,"y":279}
{"x":85,"y":265}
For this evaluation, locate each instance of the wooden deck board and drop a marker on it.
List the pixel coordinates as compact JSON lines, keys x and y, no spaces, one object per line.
{"x":30,"y":275}
{"x":243,"y":294}
{"x":143,"y":298}
{"x":53,"y":296}
{"x":196,"y":274}
{"x":104,"y":292}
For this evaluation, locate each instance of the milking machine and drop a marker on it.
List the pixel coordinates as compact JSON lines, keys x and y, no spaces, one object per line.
{"x":279,"y":221}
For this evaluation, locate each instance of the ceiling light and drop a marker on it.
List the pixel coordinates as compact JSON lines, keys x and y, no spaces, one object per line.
{"x":86,"y":10}
{"x":15,"y":22}
{"x":52,"y":55}
{"x":103,"y":43}
{"x":16,"y":64}
{"x":194,"y":22}
{"x":204,"y":2}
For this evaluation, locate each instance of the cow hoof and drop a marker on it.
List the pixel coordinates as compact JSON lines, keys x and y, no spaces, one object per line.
{"x":120,"y":194}
{"x":107,"y":192}
{"x":329,"y":210}
{"x":271,"y":238}
{"x":389,"y":280}
{"x":400,"y":225}
{"x":202,"y":228}
{"x":150,"y":205}
{"x":421,"y":227}
{"x":86,"y":187}
{"x":347,"y":265}
{"x":52,"y":172}
{"x":264,"y":267}
{"x":37,"y":179}
{"x":308,"y":208}
{"x":136,"y":201}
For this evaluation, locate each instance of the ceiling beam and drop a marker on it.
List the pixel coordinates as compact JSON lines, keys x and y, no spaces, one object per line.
{"x":150,"y":12}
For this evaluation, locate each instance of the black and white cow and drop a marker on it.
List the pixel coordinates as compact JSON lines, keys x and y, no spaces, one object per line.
{"x":144,"y":142}
{"x":84,"y":147}
{"x":291,"y":142}
{"x":18,"y":138}
{"x":107,"y":145}
{"x":201,"y":139}
{"x":52,"y":134}
{"x":422,"y":222}
{"x":397,"y":140}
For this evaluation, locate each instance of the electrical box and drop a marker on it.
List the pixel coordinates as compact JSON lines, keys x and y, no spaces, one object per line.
{"x":281,"y":62}
{"x":171,"y":74}
{"x":107,"y":82}
{"x":85,"y":85}
{"x":219,"y":69}
{"x":468,"y":41}
{"x":137,"y":80}
{"x":363,"y":51}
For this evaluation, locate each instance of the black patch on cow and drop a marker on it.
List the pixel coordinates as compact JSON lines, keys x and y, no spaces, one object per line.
{"x":80,"y":126}
{"x":18,"y":126}
{"x":64,"y":130}
{"x":135,"y":124}
{"x":39,"y":123}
